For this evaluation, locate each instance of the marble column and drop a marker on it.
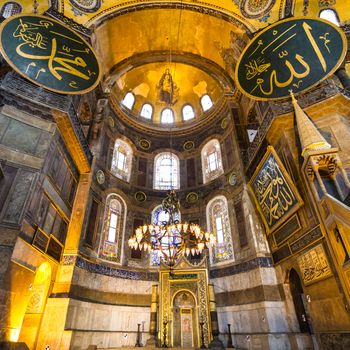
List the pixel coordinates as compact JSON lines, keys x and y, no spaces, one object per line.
{"x":152,"y":341}
{"x":216,"y":342}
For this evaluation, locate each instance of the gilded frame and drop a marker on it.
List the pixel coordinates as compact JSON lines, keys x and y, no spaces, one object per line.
{"x":256,"y":38}
{"x":298,"y":203}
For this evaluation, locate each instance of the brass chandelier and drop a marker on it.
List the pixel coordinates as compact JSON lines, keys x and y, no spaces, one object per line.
{"x":171,"y":239}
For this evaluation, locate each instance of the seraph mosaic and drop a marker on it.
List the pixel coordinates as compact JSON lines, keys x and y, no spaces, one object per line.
{"x":274,"y":193}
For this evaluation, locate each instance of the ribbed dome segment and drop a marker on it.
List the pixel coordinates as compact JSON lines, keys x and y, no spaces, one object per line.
{"x":310,"y":137}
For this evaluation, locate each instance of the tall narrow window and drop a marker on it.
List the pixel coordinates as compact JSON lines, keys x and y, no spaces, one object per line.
{"x":10,"y":8}
{"x":129,"y":100}
{"x":146,"y":111}
{"x":206,"y":102}
{"x":187,"y":112}
{"x":211,"y":160}
{"x":166,"y":171}
{"x":121,"y":161}
{"x":167,"y":116}
{"x":330,"y":15}
{"x":219,"y":224}
{"x":158,"y":217}
{"x":113,"y":228}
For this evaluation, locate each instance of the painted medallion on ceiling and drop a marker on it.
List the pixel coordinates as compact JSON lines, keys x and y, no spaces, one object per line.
{"x":256,"y":8}
{"x":85,"y":6}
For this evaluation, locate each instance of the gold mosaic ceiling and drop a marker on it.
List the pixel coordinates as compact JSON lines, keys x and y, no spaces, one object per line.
{"x":202,"y":40}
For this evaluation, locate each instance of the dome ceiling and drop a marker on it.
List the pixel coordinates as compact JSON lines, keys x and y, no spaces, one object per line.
{"x":146,"y":82}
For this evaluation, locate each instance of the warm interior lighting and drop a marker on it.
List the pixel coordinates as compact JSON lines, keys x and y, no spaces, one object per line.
{"x":171,"y":239}
{"x":14,"y":334}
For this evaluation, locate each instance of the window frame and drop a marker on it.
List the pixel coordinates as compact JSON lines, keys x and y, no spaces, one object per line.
{"x":202,"y":103}
{"x":216,"y":208}
{"x":183,"y":115}
{"x":152,"y":110}
{"x":212,"y":147}
{"x":122,"y":147}
{"x":125,"y":104}
{"x":172,"y":114}
{"x":335,"y":13}
{"x":157,"y":185}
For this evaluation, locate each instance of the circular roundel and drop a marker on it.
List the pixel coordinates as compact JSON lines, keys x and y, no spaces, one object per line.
{"x":86,"y":5}
{"x":145,"y":144}
{"x":188,"y":145}
{"x":256,"y":8}
{"x":111,"y":122}
{"x":100,"y":177}
{"x":232,"y":179}
{"x":140,"y":196}
{"x":36,"y":47}
{"x":192,"y":197}
{"x":224,"y":123}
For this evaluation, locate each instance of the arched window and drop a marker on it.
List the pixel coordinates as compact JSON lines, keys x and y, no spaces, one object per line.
{"x":187,"y":112}
{"x":121,"y":161}
{"x":166,"y":171}
{"x":112,"y":229}
{"x":129,"y":100}
{"x":211,"y":160}
{"x":10,"y":8}
{"x":146,"y":111}
{"x":219,"y":224}
{"x":158,"y":217}
{"x":206,"y":102}
{"x":330,"y":15}
{"x":167,"y":116}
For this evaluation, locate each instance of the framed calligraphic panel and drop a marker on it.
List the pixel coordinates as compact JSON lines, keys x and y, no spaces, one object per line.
{"x":314,"y":265}
{"x":292,"y":54}
{"x":274,"y":193}
{"x":49,"y":54}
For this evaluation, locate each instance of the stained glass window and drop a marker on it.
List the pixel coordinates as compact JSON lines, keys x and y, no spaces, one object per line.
{"x":166,"y":170}
{"x":206,"y":102}
{"x":129,"y":100}
{"x":211,"y":161}
{"x":112,"y":230}
{"x":121,"y":161}
{"x":219,"y":224}
{"x":187,"y":112}
{"x":146,"y":111}
{"x":158,"y":217}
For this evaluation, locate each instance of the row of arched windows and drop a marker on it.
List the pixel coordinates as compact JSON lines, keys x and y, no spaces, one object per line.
{"x":167,"y":164}
{"x":218,"y":222}
{"x":167,"y":114}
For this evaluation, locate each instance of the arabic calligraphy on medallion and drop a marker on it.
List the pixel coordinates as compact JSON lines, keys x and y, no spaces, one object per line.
{"x":275,"y":195}
{"x":314,"y":265}
{"x":293,"y":54}
{"x":49,"y":54}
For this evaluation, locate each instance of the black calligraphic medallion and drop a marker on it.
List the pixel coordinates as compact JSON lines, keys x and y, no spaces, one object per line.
{"x":275,"y":195}
{"x":293,"y":54}
{"x":49,"y":54}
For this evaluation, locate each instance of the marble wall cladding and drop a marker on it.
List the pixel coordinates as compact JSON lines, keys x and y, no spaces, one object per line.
{"x":23,"y":137}
{"x":263,"y":317}
{"x":272,"y":341}
{"x":15,"y":205}
{"x":110,"y":283}
{"x":98,"y":317}
{"x":81,"y":340}
{"x":245,"y":280}
{"x":105,"y":325}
